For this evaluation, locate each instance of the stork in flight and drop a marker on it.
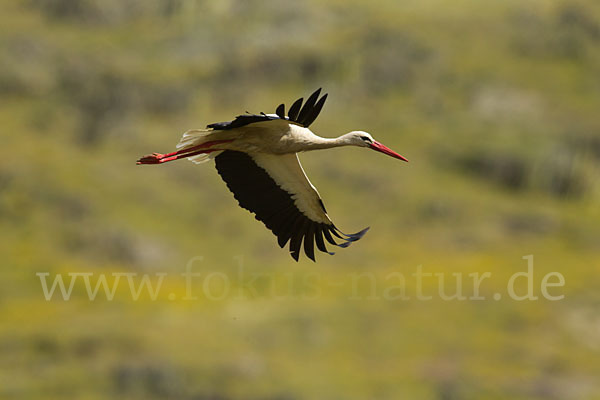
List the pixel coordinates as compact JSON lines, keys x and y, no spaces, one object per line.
{"x":257,"y":157}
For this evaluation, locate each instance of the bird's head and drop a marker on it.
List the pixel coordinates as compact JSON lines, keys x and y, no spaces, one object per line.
{"x":364,"y":139}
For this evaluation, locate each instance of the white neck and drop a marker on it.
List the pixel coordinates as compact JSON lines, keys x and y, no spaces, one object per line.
{"x":317,"y":142}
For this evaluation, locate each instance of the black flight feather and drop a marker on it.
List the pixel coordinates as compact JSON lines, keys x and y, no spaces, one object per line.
{"x":328,"y":236}
{"x":309,"y":242}
{"x":257,"y":192}
{"x":314,"y":113}
{"x":308,"y":106}
{"x":294,"y":109}
{"x":303,"y":115}
{"x":319,"y":240}
{"x":280,"y":111}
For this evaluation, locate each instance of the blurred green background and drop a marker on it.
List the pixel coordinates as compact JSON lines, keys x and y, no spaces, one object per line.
{"x":496,"y":105}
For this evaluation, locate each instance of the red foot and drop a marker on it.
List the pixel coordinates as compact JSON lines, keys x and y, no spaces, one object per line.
{"x":154,"y":158}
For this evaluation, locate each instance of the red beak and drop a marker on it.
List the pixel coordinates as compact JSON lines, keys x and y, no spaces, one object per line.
{"x":385,"y":150}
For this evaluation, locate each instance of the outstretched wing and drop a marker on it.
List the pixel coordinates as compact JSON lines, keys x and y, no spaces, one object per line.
{"x":276,"y":189}
{"x":301,"y":115}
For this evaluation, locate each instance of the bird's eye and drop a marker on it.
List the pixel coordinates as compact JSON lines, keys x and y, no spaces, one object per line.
{"x":365,"y":138}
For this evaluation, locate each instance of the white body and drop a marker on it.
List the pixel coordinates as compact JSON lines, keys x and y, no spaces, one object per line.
{"x":274,"y":145}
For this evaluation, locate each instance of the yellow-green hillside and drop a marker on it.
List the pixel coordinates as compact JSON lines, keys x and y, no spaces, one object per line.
{"x":495,"y":104}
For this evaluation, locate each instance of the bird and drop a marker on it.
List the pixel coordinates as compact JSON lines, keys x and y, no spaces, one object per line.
{"x":257,"y":157}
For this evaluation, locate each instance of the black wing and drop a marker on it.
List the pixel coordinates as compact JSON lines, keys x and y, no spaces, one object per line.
{"x":301,"y":115}
{"x":258,"y":192}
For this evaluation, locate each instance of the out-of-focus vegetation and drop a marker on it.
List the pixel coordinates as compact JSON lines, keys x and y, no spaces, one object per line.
{"x":496,"y":105}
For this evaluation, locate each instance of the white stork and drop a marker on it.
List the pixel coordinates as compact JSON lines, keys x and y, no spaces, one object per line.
{"x":257,"y":157}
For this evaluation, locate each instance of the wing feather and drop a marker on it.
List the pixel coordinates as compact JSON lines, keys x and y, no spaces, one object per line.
{"x":276,"y":189}
{"x":308,"y":107}
{"x":302,"y":115}
{"x":295,"y":109}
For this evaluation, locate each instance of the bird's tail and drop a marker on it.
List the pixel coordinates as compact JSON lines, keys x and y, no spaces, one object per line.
{"x":193,"y":138}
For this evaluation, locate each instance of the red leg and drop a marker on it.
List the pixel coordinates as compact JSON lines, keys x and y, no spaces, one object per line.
{"x":185,"y":155}
{"x":157,"y":158}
